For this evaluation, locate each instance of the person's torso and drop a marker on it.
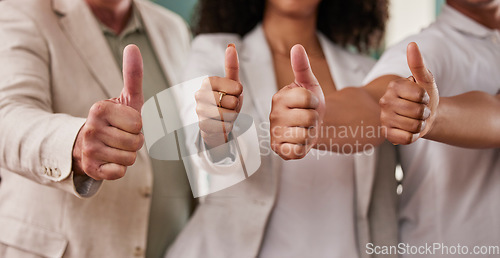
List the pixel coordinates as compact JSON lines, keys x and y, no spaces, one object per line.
{"x":114,"y":222}
{"x":450,"y":194}
{"x":258,"y":79}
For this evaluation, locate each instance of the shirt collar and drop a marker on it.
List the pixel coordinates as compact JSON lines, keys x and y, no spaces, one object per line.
{"x":134,"y":25}
{"x":464,"y":24}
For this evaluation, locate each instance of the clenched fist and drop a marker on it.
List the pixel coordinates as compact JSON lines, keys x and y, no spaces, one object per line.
{"x":218,"y":102}
{"x":110,"y":138}
{"x":408,"y":107}
{"x":297,"y":110}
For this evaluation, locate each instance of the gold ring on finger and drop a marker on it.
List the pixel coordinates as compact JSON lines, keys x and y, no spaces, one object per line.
{"x":221,"y":95}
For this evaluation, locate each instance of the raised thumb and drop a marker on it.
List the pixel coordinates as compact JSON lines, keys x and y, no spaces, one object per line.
{"x":301,"y":68}
{"x":231,"y":63}
{"x":132,"y":94}
{"x":416,"y":64}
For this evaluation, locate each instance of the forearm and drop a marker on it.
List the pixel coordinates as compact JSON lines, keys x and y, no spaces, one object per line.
{"x":352,"y":118}
{"x":470,"y":120}
{"x":34,"y":142}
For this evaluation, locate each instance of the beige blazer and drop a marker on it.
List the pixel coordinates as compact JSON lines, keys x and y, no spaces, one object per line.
{"x":232,"y":222}
{"x":54,"y":64}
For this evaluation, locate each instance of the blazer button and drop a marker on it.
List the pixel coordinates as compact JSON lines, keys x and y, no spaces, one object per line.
{"x":138,"y":251}
{"x":146,"y":192}
{"x":57,"y":172}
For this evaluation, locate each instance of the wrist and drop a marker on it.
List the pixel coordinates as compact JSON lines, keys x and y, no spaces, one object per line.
{"x":214,"y":140}
{"x":77,"y":156}
{"x":431,"y":132}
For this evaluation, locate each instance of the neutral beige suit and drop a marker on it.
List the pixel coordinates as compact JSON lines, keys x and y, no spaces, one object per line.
{"x":54,"y":64}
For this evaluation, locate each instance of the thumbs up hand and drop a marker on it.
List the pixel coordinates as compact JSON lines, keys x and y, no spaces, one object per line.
{"x":297,"y":110}
{"x":110,"y":138}
{"x":408,"y":107}
{"x":219,"y":100}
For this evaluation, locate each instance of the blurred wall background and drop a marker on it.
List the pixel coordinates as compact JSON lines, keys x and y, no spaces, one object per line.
{"x":182,"y":7}
{"x":406,"y":16}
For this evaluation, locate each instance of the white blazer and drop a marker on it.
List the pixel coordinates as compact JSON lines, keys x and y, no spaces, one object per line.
{"x":232,"y":222}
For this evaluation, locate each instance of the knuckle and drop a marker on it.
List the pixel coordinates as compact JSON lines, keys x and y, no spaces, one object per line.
{"x":384,"y":101}
{"x":277,"y":98}
{"x":137,"y":125}
{"x":88,"y":151}
{"x":199,"y":109}
{"x":300,"y":152}
{"x":141,"y":141}
{"x":98,"y":109}
{"x":89,"y":170}
{"x":137,"y":142}
{"x":392,"y":86}
{"x":420,"y":93}
{"x":206,"y":83}
{"x":198,"y":95}
{"x":130,"y":159}
{"x":90,"y":132}
{"x":273,"y":116}
{"x":407,"y":138}
{"x":416,"y":126}
{"x":233,"y":103}
{"x":419,"y":111}
{"x":238,"y":88}
{"x":275,"y":146}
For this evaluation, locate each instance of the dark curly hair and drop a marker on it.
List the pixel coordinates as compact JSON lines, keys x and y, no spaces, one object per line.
{"x":358,"y":23}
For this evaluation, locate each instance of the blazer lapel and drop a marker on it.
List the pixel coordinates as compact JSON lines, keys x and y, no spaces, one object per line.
{"x":82,"y":29}
{"x":258,"y":71}
{"x":346,"y":73}
{"x":343,"y":69}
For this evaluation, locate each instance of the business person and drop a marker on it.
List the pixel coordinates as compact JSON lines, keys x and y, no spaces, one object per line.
{"x":451,"y":174}
{"x":452,"y":166}
{"x":316,"y":207}
{"x":69,"y":122}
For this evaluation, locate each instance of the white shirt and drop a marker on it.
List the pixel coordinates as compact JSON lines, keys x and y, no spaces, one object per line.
{"x":314,"y":209}
{"x":451,"y":195}
{"x":314,"y":214}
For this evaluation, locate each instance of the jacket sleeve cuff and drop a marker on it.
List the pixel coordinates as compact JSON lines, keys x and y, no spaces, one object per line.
{"x":58,"y":168}
{"x":85,"y":186}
